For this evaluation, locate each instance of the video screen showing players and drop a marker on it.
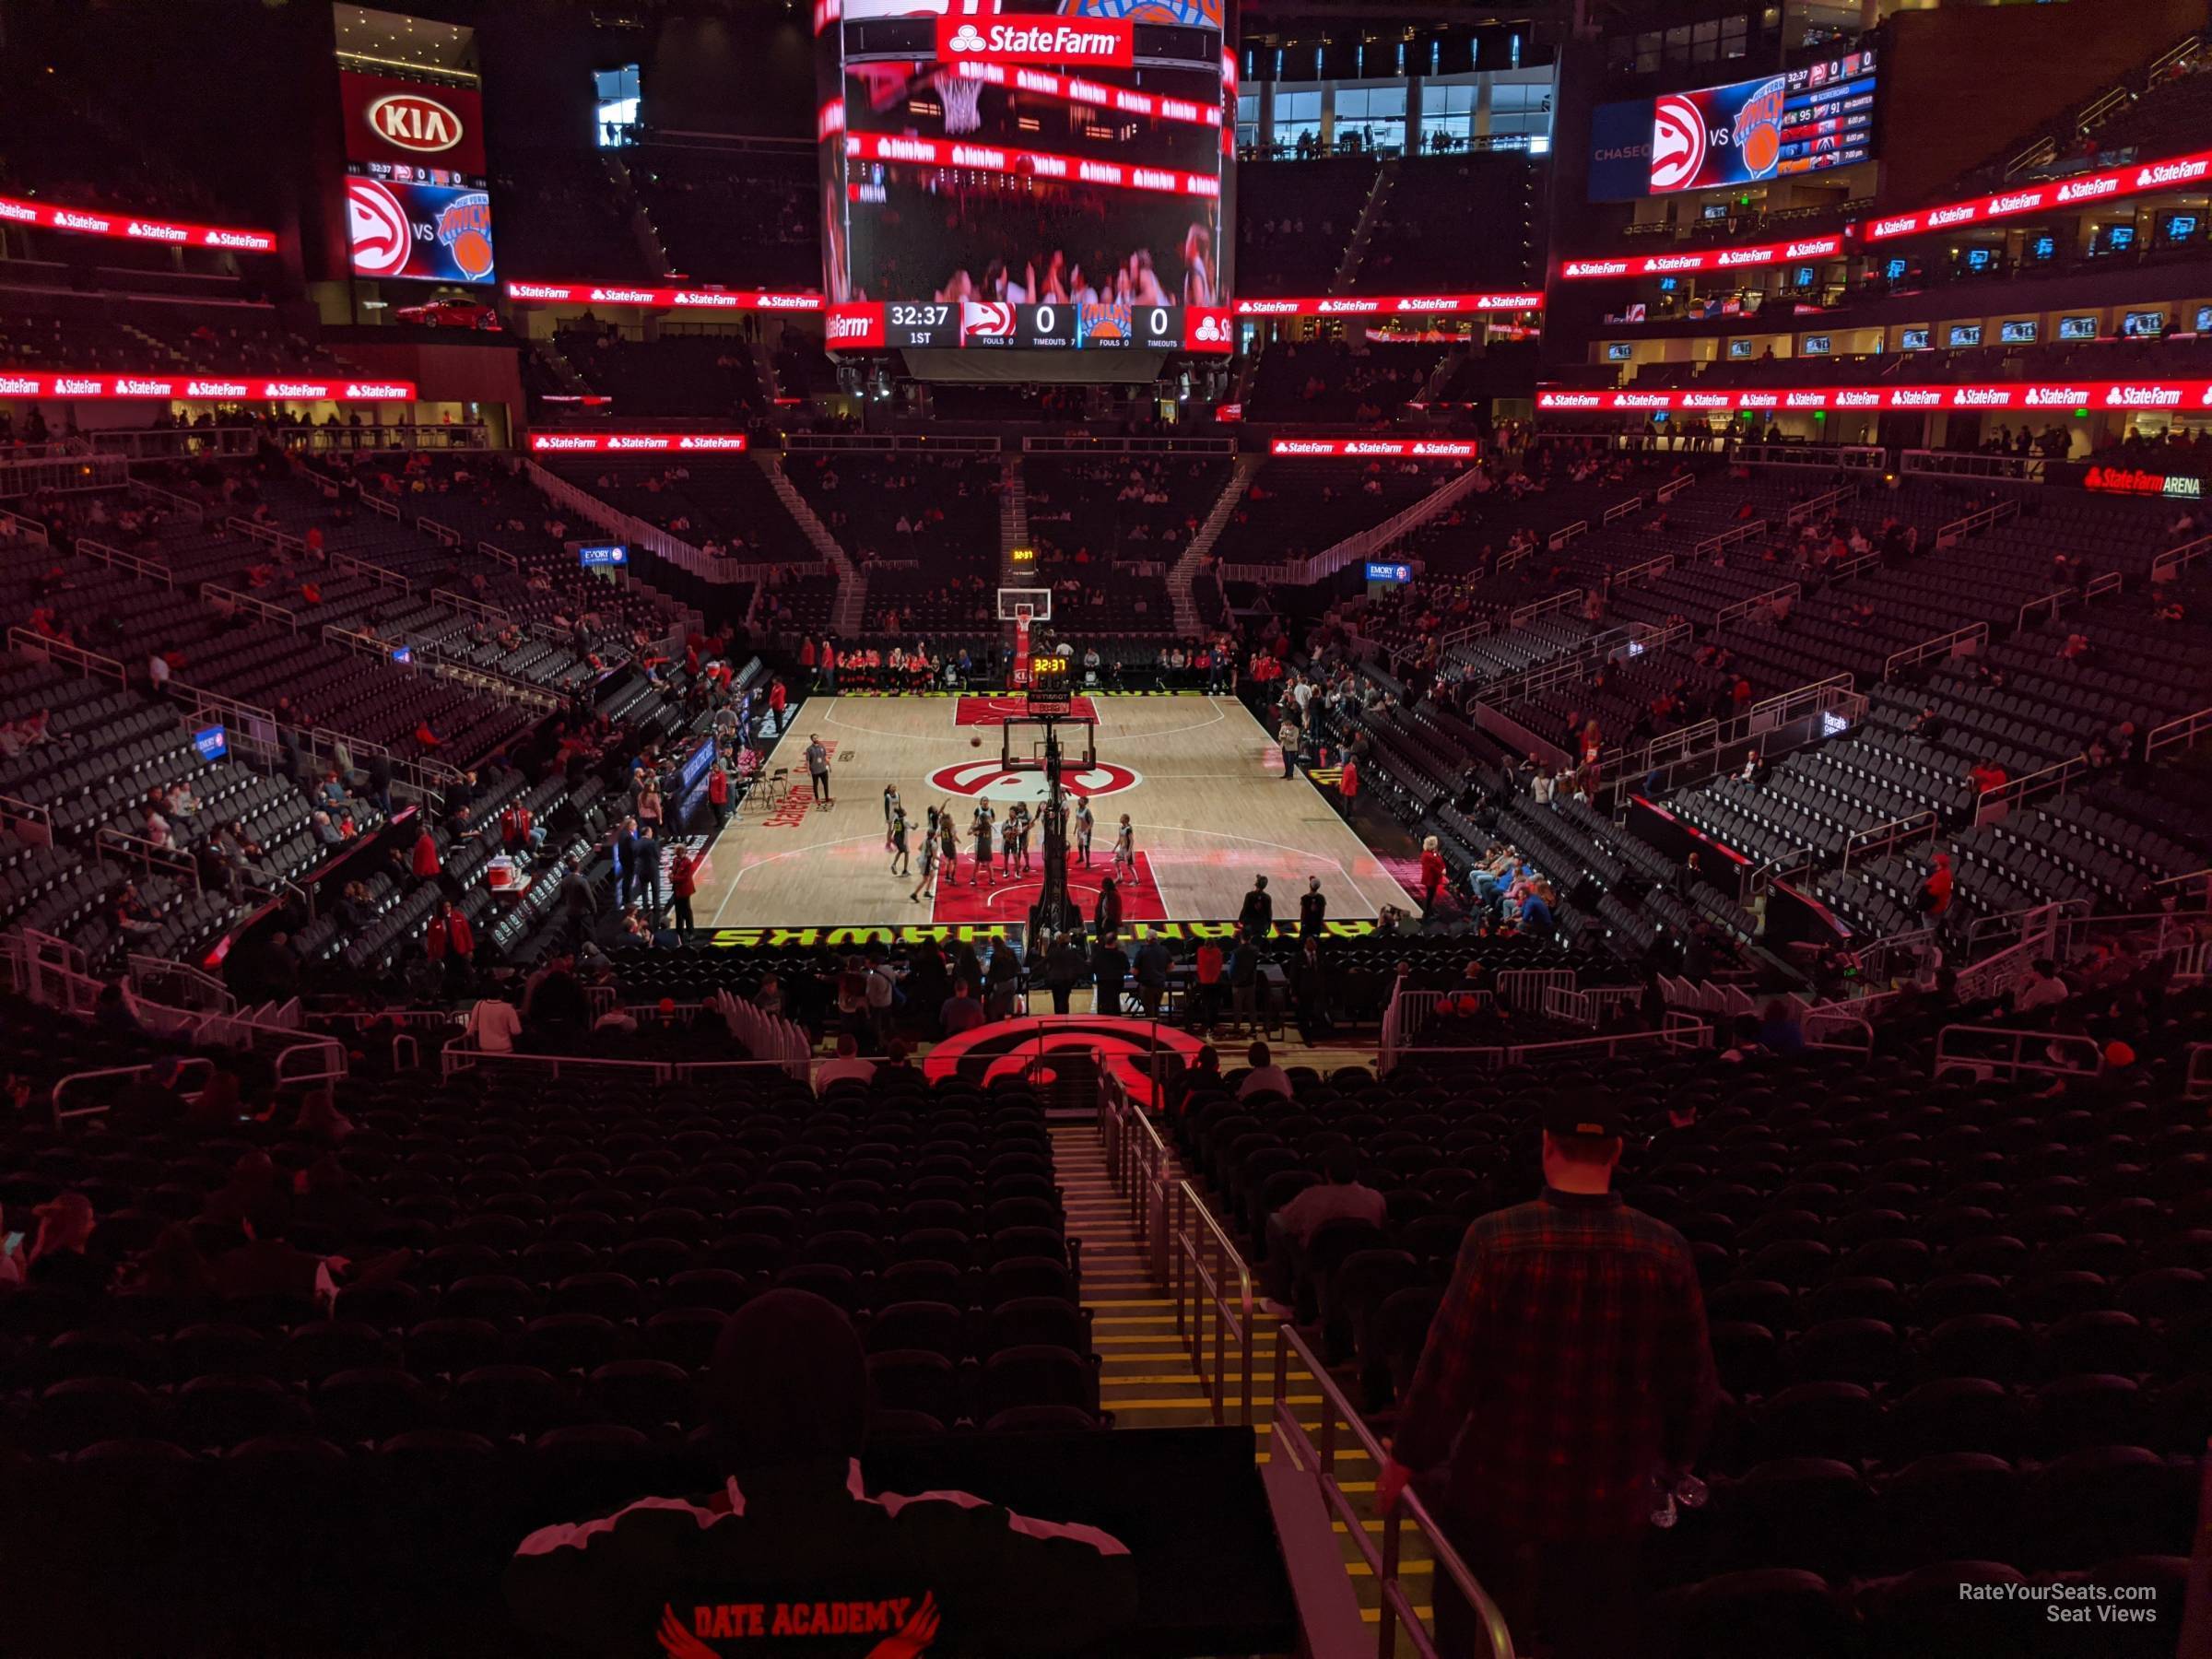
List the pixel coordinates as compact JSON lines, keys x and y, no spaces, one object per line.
{"x":1063,"y":165}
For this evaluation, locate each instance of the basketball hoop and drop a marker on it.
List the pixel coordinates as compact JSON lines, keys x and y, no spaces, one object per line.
{"x":963,"y":103}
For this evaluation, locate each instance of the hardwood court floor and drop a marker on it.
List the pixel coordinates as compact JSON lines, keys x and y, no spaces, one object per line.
{"x":1200,"y":780}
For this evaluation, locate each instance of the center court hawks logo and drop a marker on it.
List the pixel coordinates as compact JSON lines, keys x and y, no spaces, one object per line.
{"x":1041,"y":1048}
{"x":989,"y":780}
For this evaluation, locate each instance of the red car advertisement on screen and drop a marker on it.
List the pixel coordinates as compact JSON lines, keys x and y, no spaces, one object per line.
{"x":1026,"y":174}
{"x":413,"y":123}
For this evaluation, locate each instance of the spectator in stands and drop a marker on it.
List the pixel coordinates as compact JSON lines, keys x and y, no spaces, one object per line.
{"x":847,"y":1064}
{"x":1933,"y":898}
{"x":61,"y":1255}
{"x":1549,"y":1501}
{"x":787,"y":1405}
{"x":1780,"y":1031}
{"x":495,"y":1024}
{"x":1987,"y":775}
{"x":962,"y":1012}
{"x":1434,"y":874}
{"x":1266,"y":1077}
{"x":2040,"y":987}
{"x":1341,"y":1196}
{"x":423,"y":862}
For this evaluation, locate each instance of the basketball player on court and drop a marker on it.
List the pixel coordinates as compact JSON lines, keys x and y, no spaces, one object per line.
{"x":948,"y":833}
{"x":1008,"y":834}
{"x":899,"y":865}
{"x":1125,"y":847}
{"x":1021,"y":840}
{"x":985,"y":841}
{"x":928,"y":884}
{"x":1083,"y":831}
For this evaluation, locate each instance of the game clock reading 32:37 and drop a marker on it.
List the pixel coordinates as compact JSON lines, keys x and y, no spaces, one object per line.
{"x":944,"y":325}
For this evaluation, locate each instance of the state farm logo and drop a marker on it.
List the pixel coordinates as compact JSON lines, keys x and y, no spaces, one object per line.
{"x":1211,"y":331}
{"x":536,"y":290}
{"x":989,"y":780}
{"x":67,"y":220}
{"x":2057,"y":397}
{"x":1304,"y":446}
{"x":146,"y":231}
{"x":1690,"y":262}
{"x":618,"y":296}
{"x":986,"y":320}
{"x":66,"y":385}
{"x":1915,"y":400}
{"x":377,"y":389}
{"x":1267,"y":308}
{"x":1345,"y":308}
{"x":252,"y":240}
{"x":1642,"y":400}
{"x":17,"y":211}
{"x":1570,"y":400}
{"x":1950,"y":215}
{"x":2143,"y":397}
{"x":2170,"y":173}
{"x":1442,"y":450}
{"x":805,"y":302}
{"x":206,"y":388}
{"x":1807,"y":250}
{"x":1597,"y":267}
{"x":127,"y":386}
{"x":19,"y":386}
{"x":1895,"y":227}
{"x":295,"y":389}
{"x":2083,"y":190}
{"x":553,"y":441}
{"x":1704,"y":400}
{"x":1062,"y":41}
{"x":1858,"y":400}
{"x":414,"y":123}
{"x":2016,"y":202}
{"x":1809,"y":400}
{"x":849,"y":326}
{"x":1971,"y":398}
{"x":734,"y":441}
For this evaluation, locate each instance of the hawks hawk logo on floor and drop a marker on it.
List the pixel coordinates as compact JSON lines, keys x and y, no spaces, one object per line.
{"x":989,"y":781}
{"x":1043,"y":1049}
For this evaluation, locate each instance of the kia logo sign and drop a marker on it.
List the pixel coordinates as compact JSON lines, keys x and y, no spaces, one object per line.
{"x":414,"y":123}
{"x":1677,"y":142}
{"x":1077,"y":40}
{"x":378,"y":228}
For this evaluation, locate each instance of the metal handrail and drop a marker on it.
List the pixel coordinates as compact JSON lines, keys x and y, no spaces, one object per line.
{"x":54,"y":1101}
{"x":1295,"y":1446}
{"x":1197,"y":1283}
{"x":2017,"y":1042}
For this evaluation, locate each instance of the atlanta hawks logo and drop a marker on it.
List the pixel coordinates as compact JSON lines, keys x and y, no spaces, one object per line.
{"x":1052,"y":1047}
{"x":988,"y":781}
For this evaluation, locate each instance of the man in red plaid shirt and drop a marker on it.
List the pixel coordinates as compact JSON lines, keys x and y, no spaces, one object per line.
{"x":1568,"y":1366}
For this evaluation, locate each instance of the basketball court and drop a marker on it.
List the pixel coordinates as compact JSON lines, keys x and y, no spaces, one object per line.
{"x":1200,"y":780}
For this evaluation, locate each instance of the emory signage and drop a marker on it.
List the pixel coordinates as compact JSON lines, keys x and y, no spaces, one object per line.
{"x":2044,"y":396}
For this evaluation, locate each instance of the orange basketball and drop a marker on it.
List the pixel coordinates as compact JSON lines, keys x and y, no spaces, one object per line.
{"x":472,"y":252}
{"x":1762,"y":146}
{"x":975,"y":743}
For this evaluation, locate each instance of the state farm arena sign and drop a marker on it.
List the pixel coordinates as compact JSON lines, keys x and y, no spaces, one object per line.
{"x":989,"y":781}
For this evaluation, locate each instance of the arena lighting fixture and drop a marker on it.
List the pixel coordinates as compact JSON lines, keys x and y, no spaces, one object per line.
{"x":134,"y":226}
{"x":636,"y":443}
{"x":226,"y":388}
{"x":660,"y":299}
{"x":1386,"y":305}
{"x":2052,"y":397}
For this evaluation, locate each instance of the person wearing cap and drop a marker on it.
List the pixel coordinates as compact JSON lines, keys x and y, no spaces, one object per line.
{"x":1571,"y":1348}
{"x":794,"y":1553}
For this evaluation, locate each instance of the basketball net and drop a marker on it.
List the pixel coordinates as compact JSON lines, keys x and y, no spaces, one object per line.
{"x":963,"y":103}
{"x":1021,"y":647}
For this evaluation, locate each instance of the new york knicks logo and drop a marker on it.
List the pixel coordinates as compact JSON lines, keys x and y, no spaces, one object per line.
{"x":988,"y":781}
{"x":1103,"y":320}
{"x":1757,"y":133}
{"x":465,"y":232}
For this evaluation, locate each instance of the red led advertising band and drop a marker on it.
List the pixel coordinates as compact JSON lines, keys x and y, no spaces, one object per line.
{"x":2052,"y":396}
{"x":1042,"y":164}
{"x":2175,"y":171}
{"x":131,"y":227}
{"x":1074,"y":89}
{"x":1387,"y":305}
{"x":1417,"y":449}
{"x":1704,"y":259}
{"x":659,"y":298}
{"x":635,"y":443}
{"x":36,"y":382}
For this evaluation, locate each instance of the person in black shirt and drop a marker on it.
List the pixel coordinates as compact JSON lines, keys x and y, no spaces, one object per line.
{"x":793,"y":1555}
{"x":1256,"y":919}
{"x":1313,"y":908}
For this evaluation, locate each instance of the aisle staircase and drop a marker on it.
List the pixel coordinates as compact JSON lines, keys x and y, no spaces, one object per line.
{"x":1183,"y":573}
{"x":1370,"y":215}
{"x":1159,"y":1366}
{"x":852,"y":586}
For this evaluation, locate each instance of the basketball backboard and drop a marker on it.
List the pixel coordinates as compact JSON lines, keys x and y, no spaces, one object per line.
{"x":1038,"y":599}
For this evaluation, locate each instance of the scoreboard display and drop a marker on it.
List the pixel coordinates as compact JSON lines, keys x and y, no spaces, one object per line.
{"x":1054,"y":326}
